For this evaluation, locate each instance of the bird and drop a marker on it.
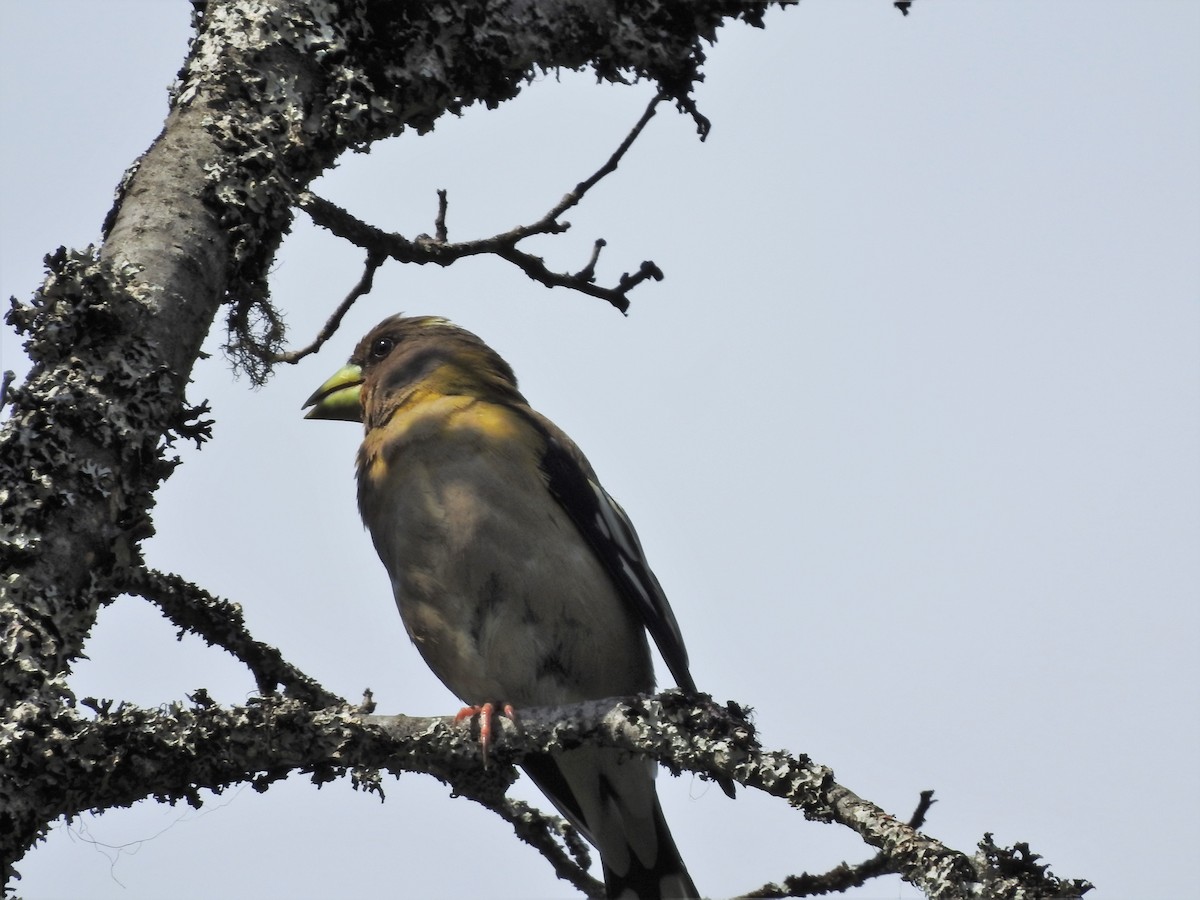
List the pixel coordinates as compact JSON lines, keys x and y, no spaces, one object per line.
{"x":520,"y":580}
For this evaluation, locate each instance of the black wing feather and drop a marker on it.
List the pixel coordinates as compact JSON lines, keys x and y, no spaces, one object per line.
{"x":608,"y":530}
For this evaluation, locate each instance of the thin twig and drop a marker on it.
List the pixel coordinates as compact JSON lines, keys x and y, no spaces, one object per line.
{"x":439,"y":224}
{"x":375,"y":259}
{"x":917,"y":819}
{"x":535,"y":268}
{"x":572,"y":198}
{"x":588,"y":272}
{"x":440,"y":251}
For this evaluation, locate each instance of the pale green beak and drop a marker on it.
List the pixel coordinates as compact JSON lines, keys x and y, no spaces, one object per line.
{"x":338,"y":398}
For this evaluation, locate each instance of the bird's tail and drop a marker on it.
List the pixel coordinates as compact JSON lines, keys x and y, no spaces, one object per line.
{"x":610,"y":798}
{"x":666,"y":878}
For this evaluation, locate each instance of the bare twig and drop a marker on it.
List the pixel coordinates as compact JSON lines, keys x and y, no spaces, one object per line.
{"x":365,"y":283}
{"x":589,"y":271}
{"x":917,"y":819}
{"x":440,"y":251}
{"x":573,"y":197}
{"x":535,"y":268}
{"x":439,"y":224}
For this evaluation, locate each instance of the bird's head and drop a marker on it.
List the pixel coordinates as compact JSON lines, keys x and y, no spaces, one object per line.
{"x":402,"y":359}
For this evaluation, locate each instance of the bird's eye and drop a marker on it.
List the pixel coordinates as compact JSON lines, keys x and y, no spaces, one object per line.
{"x":381,"y":347}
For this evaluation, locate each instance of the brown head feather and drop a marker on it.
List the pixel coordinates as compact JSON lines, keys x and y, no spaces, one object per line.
{"x":403,"y":358}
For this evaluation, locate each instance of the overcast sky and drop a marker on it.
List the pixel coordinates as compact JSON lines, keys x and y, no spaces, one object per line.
{"x":911,"y":433}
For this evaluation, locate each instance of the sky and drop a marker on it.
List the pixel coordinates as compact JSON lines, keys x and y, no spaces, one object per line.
{"x":910,"y":433}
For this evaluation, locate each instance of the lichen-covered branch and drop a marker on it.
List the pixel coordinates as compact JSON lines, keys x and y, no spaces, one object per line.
{"x":78,"y":467}
{"x":841,"y":877}
{"x":720,"y":742}
{"x":557,"y":841}
{"x":122,"y":754}
{"x":220,"y":623}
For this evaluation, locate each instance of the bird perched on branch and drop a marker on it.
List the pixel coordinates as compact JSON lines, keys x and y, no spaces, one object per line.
{"x":518,"y":577}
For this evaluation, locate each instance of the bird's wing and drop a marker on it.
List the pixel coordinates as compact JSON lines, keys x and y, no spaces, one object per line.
{"x":608,"y":530}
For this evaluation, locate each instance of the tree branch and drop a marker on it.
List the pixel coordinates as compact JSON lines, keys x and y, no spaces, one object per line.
{"x":440,"y":251}
{"x":171,"y":753}
{"x":549,"y":835}
{"x":845,"y":875}
{"x":361,"y":289}
{"x":719,"y":742}
{"x":220,"y":623}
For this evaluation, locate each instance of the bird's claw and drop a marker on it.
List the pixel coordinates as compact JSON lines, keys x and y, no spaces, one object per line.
{"x":487,"y":715}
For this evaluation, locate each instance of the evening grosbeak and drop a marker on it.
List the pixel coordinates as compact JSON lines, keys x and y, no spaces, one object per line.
{"x":518,"y":577}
